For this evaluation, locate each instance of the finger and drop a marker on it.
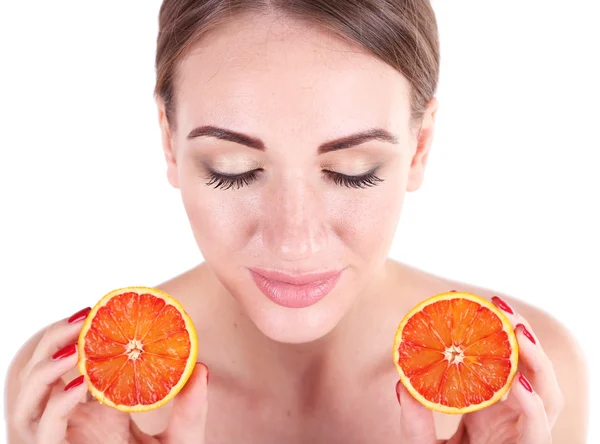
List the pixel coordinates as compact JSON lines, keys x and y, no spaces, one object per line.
{"x":56,"y":336}
{"x":536,"y":429}
{"x":36,"y":389}
{"x":188,"y":417}
{"x":514,"y":317}
{"x":536,"y":362}
{"x":52,"y":428}
{"x":541,"y":372}
{"x":416,"y":421}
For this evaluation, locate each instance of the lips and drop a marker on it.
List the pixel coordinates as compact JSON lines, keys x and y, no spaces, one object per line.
{"x":295,"y":291}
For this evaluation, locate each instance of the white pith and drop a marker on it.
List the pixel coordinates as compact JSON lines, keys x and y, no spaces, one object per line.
{"x":454,"y":354}
{"x":134,"y":349}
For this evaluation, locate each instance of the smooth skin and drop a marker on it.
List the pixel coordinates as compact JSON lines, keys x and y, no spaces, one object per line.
{"x":319,"y":374}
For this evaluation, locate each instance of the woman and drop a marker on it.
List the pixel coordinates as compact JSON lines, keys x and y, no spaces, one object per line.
{"x":294,"y":130}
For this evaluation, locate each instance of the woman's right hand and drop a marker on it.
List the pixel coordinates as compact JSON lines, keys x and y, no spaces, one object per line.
{"x":47,"y":411}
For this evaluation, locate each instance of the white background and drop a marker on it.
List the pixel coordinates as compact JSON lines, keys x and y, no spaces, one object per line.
{"x":510,"y":199}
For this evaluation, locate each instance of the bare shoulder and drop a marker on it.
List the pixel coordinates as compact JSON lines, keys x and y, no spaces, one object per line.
{"x":182,"y":282}
{"x":191,"y":287}
{"x":556,"y":339}
{"x":194,"y":289}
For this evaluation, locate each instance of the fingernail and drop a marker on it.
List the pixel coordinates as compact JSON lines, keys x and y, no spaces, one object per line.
{"x":525,"y":383}
{"x":80,"y":315}
{"x":64,"y":352}
{"x":398,"y":392}
{"x":502,"y":305}
{"x":526,"y":333}
{"x":74,"y":383}
{"x":452,"y":291}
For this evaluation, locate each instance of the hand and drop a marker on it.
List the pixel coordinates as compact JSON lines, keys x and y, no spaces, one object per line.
{"x":525,"y":417}
{"x":49,"y":412}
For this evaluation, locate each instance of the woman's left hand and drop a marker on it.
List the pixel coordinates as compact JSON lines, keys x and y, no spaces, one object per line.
{"x":525,"y":417}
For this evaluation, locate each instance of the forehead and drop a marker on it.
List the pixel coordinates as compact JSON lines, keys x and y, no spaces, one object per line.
{"x":257,"y":71}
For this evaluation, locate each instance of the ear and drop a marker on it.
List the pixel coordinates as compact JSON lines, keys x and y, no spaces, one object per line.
{"x":424,"y":138}
{"x":167,"y":144}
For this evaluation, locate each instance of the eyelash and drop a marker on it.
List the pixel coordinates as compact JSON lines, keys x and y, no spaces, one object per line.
{"x":226,"y":182}
{"x":366,"y":180}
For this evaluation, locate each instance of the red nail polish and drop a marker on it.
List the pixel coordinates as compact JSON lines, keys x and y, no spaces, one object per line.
{"x":526,"y":333}
{"x":398,"y":392}
{"x":80,"y":315}
{"x":452,"y":291}
{"x":64,"y":352}
{"x":502,"y":305}
{"x":74,"y":383}
{"x":525,"y":383}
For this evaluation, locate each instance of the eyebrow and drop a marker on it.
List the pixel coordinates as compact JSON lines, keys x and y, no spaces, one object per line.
{"x":257,"y":144}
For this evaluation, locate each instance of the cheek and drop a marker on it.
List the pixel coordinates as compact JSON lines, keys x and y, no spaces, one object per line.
{"x":221,"y":220}
{"x":366,"y":220}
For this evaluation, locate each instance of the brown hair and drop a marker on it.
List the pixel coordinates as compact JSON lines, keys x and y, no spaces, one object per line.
{"x":402,"y":33}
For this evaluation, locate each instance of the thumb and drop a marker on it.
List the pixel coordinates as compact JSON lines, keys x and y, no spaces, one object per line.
{"x":416,"y":420}
{"x":188,"y":417}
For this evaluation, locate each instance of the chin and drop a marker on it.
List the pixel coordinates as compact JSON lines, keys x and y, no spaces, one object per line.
{"x":294,"y":325}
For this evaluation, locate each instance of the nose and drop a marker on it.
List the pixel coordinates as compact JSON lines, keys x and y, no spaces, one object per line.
{"x":294,"y":228}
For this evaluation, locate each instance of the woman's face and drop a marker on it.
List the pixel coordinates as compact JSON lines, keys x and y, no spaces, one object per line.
{"x":282,"y":194}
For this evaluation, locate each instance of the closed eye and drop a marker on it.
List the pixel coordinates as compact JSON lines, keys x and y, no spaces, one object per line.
{"x":369,"y":179}
{"x":227,"y":181}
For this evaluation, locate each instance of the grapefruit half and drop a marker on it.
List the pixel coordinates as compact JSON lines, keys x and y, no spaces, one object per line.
{"x":456,"y":353}
{"x":137,"y":348}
